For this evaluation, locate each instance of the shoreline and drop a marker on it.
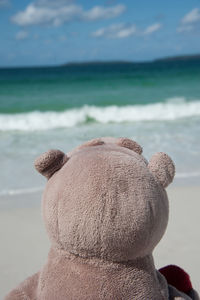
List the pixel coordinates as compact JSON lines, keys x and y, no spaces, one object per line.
{"x":25,"y":245}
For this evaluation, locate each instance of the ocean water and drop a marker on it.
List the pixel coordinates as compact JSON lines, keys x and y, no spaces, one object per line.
{"x":157,"y":104}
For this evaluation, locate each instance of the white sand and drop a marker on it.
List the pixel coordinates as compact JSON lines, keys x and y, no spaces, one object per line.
{"x":181,"y":242}
{"x":24,"y":243}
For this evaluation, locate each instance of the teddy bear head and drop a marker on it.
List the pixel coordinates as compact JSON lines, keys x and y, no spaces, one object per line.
{"x":104,"y":200}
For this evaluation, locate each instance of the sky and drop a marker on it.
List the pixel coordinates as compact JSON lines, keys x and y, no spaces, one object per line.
{"x":54,"y":32}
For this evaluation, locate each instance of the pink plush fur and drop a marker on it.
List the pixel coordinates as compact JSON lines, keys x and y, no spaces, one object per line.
{"x":105,"y":209}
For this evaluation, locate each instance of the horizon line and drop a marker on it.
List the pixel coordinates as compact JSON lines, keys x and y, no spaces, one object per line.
{"x":181,"y":57}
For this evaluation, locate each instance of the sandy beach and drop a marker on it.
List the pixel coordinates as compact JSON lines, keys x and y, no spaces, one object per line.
{"x":24,"y":243}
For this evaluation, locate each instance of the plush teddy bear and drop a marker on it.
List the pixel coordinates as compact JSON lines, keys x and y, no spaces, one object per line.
{"x":105,"y":209}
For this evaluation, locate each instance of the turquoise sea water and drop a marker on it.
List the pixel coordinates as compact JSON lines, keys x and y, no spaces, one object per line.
{"x":157,"y":104}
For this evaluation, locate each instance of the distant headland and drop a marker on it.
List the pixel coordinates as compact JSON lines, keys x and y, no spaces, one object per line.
{"x":179,"y":58}
{"x":114,"y":62}
{"x":99,"y":63}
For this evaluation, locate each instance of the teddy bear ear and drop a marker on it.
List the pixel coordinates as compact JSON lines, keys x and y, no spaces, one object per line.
{"x":50,"y":162}
{"x":130,"y":144}
{"x":162,"y":167}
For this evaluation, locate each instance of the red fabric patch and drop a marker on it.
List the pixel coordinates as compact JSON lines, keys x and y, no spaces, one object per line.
{"x":177,"y":277}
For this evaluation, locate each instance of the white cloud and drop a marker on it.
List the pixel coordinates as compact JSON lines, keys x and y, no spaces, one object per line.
{"x":152,"y":28}
{"x":192,"y":17}
{"x":185,"y":28}
{"x":118,"y":31}
{"x":190,"y":22}
{"x":34,"y":15}
{"x":99,"y":12}
{"x":48,"y":12}
{"x":22,"y":35}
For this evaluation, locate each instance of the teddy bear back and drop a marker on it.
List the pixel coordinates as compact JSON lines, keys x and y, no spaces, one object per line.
{"x":104,"y":200}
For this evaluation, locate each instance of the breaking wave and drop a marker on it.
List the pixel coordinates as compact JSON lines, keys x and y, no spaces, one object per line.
{"x":22,"y":191}
{"x":173,"y":109}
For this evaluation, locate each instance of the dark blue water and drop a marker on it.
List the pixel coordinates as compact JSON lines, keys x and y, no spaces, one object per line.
{"x":61,"y":88}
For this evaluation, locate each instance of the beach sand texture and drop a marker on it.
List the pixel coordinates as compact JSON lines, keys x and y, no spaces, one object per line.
{"x":24,"y":242}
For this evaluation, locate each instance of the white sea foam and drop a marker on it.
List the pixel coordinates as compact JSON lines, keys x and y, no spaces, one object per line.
{"x":22,"y":191}
{"x":172,"y":109}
